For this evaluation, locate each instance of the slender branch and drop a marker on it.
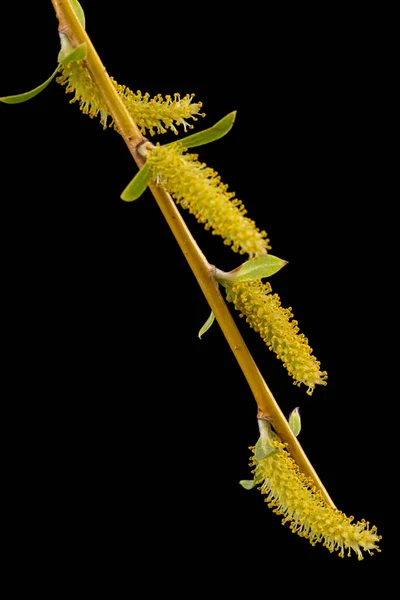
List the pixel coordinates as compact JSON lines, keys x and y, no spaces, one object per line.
{"x":69,"y":24}
{"x":204,"y":273}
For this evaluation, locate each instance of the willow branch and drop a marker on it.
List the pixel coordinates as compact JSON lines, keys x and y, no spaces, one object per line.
{"x":267,"y":406}
{"x":69,"y":24}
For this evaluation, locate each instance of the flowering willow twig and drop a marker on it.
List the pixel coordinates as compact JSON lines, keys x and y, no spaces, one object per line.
{"x":70,"y":25}
{"x":292,"y":486}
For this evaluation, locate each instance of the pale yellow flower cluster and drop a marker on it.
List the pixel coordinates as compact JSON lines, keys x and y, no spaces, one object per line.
{"x":264,"y":313}
{"x":199,"y":189}
{"x":291,"y":494}
{"x":156,"y":115}
{"x":152,"y":115}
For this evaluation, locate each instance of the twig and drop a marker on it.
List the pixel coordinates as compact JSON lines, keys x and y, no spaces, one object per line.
{"x":203,"y":271}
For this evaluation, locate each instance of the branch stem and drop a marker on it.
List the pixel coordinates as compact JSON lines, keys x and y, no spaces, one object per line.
{"x":268,"y":408}
{"x":69,"y":25}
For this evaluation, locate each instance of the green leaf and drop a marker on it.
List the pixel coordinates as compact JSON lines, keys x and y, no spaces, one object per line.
{"x":207,"y":325}
{"x":28,"y":95}
{"x":263,"y":450}
{"x":248,"y":484}
{"x":295,"y":421}
{"x":256,"y":268}
{"x":78,"y":53}
{"x":212,"y":134}
{"x":79,"y":12}
{"x":137,"y":186}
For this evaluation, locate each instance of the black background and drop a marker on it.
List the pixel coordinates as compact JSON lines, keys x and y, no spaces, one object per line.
{"x":125,"y":434}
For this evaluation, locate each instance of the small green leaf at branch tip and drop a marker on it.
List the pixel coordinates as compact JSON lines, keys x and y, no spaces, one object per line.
{"x":207,"y":325}
{"x":79,"y":12}
{"x":78,"y":53}
{"x":295,"y":421}
{"x":263,"y":450}
{"x":212,"y":134}
{"x":28,"y":95}
{"x":137,"y":186}
{"x":255,"y":268}
{"x":248,"y":484}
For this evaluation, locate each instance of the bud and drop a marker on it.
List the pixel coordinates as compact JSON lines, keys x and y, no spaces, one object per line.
{"x":247,"y":484}
{"x":264,"y":446}
{"x":295,"y":421}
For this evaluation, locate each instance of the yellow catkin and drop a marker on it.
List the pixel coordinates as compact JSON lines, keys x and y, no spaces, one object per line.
{"x":152,"y":115}
{"x":291,"y":494}
{"x":264,"y":313}
{"x":199,"y":189}
{"x":156,"y":115}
